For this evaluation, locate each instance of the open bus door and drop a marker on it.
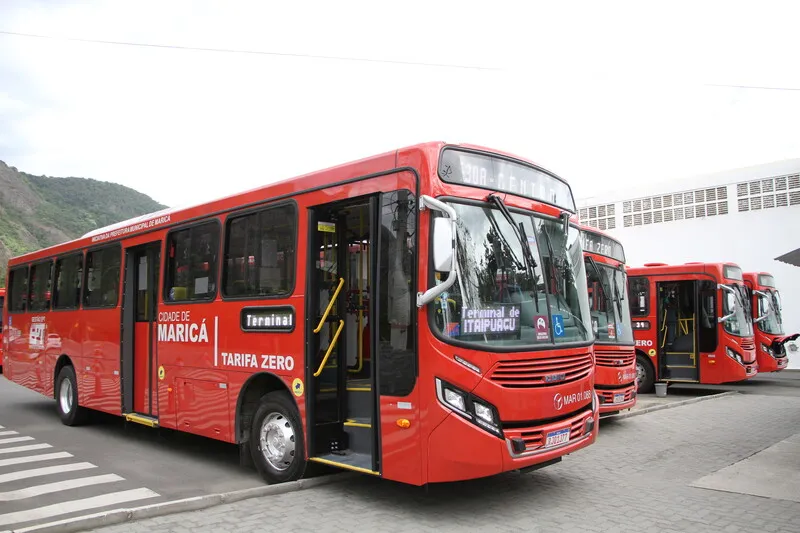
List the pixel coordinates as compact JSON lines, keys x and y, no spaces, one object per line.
{"x":342,"y":298}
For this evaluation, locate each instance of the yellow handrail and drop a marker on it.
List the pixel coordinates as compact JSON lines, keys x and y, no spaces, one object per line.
{"x":330,"y":305}
{"x":330,"y":348}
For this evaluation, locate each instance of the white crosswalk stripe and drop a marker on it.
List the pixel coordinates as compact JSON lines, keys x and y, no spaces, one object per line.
{"x":32,"y":494}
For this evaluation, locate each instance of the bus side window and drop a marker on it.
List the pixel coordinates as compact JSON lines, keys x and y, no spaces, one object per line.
{"x":639,"y":291}
{"x":40,"y":286}
{"x":102,"y":277}
{"x":396,"y":339}
{"x":708,"y":316}
{"x":192,"y":257}
{"x":67,"y":282}
{"x":18,"y":290}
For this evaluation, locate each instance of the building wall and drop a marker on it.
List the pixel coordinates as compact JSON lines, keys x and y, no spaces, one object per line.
{"x":748,"y":223}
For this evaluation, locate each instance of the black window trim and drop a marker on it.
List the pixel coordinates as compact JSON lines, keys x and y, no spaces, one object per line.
{"x":249,"y":211}
{"x":30,"y":285}
{"x":9,"y":294}
{"x":220,"y":260}
{"x":82,"y":255}
{"x":117,"y":245}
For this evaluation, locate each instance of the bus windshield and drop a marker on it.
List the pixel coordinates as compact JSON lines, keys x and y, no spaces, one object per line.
{"x":611,"y":315}
{"x":740,"y":323}
{"x":509,"y":296}
{"x":769,"y":308}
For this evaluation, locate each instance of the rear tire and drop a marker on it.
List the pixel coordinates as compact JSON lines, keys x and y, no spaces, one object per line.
{"x":277,"y":445}
{"x":645,"y":374}
{"x":70,"y":412}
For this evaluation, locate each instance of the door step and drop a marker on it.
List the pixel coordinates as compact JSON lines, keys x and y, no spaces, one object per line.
{"x":359,"y":462}
{"x":144,"y":420}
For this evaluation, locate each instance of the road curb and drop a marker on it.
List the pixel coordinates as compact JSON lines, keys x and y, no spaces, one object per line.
{"x":119,"y":516}
{"x":668,"y":405}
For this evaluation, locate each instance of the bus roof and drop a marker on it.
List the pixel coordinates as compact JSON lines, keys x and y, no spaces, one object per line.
{"x":760,"y":279}
{"x":285,"y":188}
{"x":730,"y":271}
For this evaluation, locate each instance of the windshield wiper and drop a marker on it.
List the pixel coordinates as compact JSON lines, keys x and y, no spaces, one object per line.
{"x":553,"y":269}
{"x":603,"y":282}
{"x":519,"y":232}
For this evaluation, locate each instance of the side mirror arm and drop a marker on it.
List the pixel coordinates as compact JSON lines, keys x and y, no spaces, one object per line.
{"x":424,"y":298}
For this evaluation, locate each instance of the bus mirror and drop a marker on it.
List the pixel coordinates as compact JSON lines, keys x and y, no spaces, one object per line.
{"x":442,"y":244}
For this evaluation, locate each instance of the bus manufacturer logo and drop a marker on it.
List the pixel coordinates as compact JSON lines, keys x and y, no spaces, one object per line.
{"x":554,"y":378}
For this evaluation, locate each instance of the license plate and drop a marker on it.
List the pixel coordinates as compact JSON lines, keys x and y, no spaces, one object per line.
{"x":619,"y":398}
{"x":554,"y":438}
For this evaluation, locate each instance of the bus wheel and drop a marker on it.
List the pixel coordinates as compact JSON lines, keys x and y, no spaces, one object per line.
{"x":644,"y":372}
{"x":276,"y":439}
{"x":69,"y":411}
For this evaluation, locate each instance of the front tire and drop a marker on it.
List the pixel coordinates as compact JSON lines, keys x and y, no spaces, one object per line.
{"x":276,"y":439}
{"x":645,"y":375}
{"x":70,"y":412}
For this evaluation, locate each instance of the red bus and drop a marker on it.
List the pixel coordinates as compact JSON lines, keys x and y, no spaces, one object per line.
{"x":420,"y":315}
{"x":768,"y":322}
{"x":691,"y":323}
{"x":615,"y":357}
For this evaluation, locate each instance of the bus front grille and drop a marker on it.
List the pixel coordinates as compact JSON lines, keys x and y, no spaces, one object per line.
{"x":544,"y":372}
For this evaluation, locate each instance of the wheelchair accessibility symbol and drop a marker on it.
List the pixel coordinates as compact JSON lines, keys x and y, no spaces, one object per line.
{"x":558,"y":325}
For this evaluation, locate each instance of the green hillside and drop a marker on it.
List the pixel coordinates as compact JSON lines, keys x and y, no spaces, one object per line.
{"x":37,"y":211}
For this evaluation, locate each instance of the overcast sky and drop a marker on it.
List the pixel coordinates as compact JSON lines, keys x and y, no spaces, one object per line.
{"x":606,"y":95}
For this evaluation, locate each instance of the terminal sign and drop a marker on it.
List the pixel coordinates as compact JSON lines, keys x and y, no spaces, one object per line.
{"x":602,"y":245}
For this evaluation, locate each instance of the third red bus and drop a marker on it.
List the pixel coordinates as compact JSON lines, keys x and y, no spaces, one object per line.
{"x":767,"y":315}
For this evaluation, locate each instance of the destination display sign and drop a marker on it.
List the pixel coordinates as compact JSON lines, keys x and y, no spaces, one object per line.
{"x":602,"y":245}
{"x":766,"y":280}
{"x":496,"y":319}
{"x":732,"y":272}
{"x":268,"y":318}
{"x":498,"y":174}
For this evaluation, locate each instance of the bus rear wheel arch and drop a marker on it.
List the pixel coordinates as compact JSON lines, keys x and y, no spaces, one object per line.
{"x":69,"y":410}
{"x":645,"y":373}
{"x":276,"y":443}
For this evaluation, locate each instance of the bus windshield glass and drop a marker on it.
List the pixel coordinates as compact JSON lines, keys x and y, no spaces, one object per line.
{"x":768,"y":306}
{"x":508,"y":296}
{"x":611,"y":315}
{"x":740,"y":323}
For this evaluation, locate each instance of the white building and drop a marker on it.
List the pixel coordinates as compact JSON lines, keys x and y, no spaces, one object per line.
{"x":748,"y":216}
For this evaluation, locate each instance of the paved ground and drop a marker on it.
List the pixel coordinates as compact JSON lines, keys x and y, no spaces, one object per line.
{"x":637,"y":478}
{"x":128,"y":464}
{"x":785,"y":383}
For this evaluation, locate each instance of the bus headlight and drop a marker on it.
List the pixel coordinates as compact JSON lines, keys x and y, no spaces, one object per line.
{"x":733,"y":355}
{"x":470,"y":407}
{"x":766,"y":349}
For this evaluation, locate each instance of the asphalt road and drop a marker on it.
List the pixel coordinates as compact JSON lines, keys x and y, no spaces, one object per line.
{"x":106,"y":464}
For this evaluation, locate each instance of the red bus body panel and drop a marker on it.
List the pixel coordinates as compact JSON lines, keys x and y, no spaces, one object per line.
{"x":713,"y":367}
{"x":198,"y":381}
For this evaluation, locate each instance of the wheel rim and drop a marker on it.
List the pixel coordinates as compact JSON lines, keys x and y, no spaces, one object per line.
{"x":277,"y":439}
{"x":65,"y":395}
{"x":640,"y":372}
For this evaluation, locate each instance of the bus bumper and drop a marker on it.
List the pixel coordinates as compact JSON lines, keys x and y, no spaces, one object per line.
{"x":459,"y":451}
{"x":613,"y":400}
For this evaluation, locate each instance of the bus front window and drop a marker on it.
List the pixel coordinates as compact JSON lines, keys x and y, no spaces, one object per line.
{"x":506,"y":296}
{"x":768,"y":308}
{"x":736,"y":310}
{"x":611,"y":316}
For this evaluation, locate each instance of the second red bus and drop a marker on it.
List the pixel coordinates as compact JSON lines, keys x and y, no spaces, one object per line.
{"x":770,"y":336}
{"x":691,"y":323}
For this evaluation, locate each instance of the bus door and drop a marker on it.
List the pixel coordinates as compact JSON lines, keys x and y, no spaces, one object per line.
{"x":139,"y":309}
{"x":341,"y":401}
{"x":677,"y":331}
